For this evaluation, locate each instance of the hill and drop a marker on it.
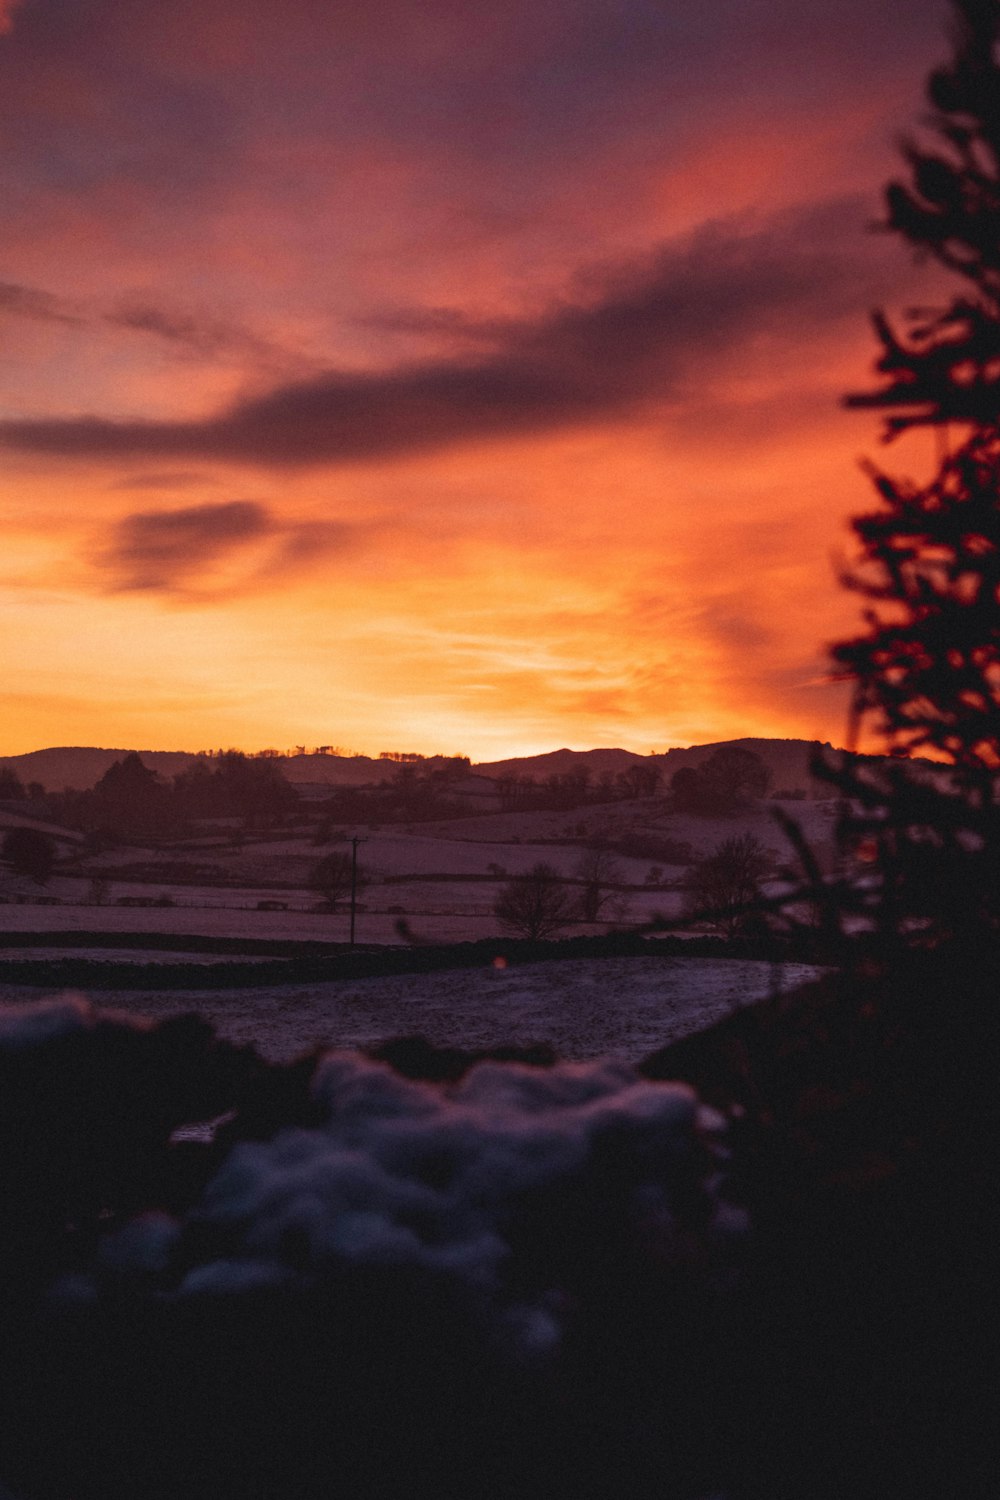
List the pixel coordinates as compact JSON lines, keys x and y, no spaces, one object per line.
{"x":79,"y":767}
{"x":788,"y":761}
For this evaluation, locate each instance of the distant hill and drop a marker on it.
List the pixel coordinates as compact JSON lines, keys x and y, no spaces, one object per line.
{"x":561,"y":762}
{"x":788,"y":761}
{"x":79,"y":767}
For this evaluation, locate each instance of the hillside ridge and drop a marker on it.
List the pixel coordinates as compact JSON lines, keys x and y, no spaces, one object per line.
{"x":79,"y":766}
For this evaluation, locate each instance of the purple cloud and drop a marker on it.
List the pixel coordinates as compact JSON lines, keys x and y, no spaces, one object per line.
{"x":645,"y":341}
{"x":156,"y":550}
{"x":165,"y":551}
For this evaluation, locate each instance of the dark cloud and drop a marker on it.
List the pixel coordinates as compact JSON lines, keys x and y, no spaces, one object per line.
{"x":646,"y":342}
{"x":156,"y":550}
{"x":178,"y":103}
{"x":167,"y":551}
{"x":450,"y":324}
{"x":31,"y":302}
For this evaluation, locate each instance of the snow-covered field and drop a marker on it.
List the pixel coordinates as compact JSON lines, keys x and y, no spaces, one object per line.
{"x":624,"y":1008}
{"x":427,"y":883}
{"x":442,"y":878}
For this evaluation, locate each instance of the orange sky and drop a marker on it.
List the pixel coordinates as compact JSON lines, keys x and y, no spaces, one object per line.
{"x":438,"y":379}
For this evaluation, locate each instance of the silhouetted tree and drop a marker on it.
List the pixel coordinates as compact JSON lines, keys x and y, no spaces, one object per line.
{"x":131,"y":799}
{"x":234,"y":785}
{"x":535,"y":905}
{"x":254,"y":790}
{"x":331,"y":877}
{"x":30,"y":852}
{"x":599,"y":872}
{"x":516,"y":792}
{"x":926,"y":670}
{"x":734,"y":777}
{"x":564,"y":790}
{"x":946,"y":368}
{"x":638,"y":780}
{"x":10,"y":785}
{"x":731,"y":778}
{"x":725,"y":886}
{"x":194,"y":789}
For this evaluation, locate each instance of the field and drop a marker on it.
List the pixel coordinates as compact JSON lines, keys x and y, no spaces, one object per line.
{"x":440,"y":878}
{"x":424,"y":883}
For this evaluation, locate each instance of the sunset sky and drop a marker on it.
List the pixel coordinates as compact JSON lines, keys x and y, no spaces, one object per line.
{"x":440,"y":376}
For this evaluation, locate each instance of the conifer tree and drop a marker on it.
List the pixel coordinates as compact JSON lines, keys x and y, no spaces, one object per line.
{"x":926,"y":669}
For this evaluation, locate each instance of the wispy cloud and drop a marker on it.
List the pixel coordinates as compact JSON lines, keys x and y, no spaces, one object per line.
{"x":33,"y":303}
{"x":195,"y":333}
{"x":171,"y":479}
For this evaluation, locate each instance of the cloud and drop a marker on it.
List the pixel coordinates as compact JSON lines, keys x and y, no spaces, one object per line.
{"x":449,"y":324}
{"x":188,"y":331}
{"x":157,"y":549}
{"x":194,"y":333}
{"x":171,"y":479}
{"x":7,"y":9}
{"x":645,"y":341}
{"x":31,"y":302}
{"x":210,"y":551}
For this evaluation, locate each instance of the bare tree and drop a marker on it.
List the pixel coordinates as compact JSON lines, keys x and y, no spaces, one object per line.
{"x":599,"y":872}
{"x":725,"y":885}
{"x":535,"y":905}
{"x":331,"y":877}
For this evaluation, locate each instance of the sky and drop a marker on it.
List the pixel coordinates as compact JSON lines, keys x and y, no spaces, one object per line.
{"x":439,"y":377}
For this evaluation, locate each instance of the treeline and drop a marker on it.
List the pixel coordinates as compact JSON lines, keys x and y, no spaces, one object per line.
{"x":564,"y":790}
{"x":731,"y":778}
{"x":132,"y":801}
{"x":418,"y":789}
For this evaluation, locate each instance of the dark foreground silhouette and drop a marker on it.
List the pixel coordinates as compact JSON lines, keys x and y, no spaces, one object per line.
{"x":520,"y":1278}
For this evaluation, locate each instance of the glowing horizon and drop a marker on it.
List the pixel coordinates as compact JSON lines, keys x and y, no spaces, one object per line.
{"x":423,"y":379}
